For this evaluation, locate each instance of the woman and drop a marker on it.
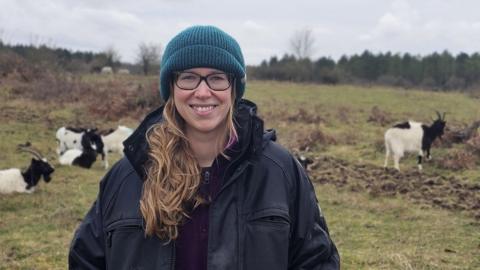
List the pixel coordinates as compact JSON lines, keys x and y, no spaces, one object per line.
{"x":202,"y":186}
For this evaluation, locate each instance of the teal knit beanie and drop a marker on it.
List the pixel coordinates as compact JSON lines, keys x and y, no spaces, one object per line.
{"x":202,"y":46}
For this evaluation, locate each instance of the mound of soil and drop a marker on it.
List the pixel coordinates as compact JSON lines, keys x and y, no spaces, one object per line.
{"x":449,"y":193}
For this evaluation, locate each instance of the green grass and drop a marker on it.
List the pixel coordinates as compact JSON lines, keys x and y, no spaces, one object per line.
{"x":355,"y":135}
{"x":390,"y":233}
{"x":370,"y":232}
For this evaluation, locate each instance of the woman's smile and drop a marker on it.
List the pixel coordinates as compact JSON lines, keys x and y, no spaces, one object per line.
{"x":203,"y":109}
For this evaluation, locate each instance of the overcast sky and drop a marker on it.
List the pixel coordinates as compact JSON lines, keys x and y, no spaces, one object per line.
{"x":262,"y":27}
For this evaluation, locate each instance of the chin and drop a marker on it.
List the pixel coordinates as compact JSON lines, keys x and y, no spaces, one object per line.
{"x":206,"y":127}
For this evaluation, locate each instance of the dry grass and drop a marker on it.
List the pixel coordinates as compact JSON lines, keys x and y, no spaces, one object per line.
{"x":372,"y":230}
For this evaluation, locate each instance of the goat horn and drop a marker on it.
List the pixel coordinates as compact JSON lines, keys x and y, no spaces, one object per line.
{"x":438,"y":115}
{"x":443,"y":117}
{"x":30,"y":150}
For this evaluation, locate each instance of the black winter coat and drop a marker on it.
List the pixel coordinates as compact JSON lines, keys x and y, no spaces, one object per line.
{"x":264,"y":217}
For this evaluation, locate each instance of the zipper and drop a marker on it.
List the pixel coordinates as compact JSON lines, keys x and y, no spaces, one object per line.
{"x":206,"y":179}
{"x":121,"y":225}
{"x":120,"y":229}
{"x":109,"y":239}
{"x":173,"y":256}
{"x":271,"y":220}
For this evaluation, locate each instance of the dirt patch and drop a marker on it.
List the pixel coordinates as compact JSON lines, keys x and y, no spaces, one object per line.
{"x":449,"y":193}
{"x":305,"y":140}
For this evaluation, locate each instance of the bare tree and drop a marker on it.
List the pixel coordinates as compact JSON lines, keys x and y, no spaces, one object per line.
{"x":302,"y":43}
{"x":2,"y":38}
{"x":112,"y":56}
{"x":149,"y":57}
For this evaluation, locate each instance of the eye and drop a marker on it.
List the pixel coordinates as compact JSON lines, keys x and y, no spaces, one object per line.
{"x":218,"y":77}
{"x":187,"y":77}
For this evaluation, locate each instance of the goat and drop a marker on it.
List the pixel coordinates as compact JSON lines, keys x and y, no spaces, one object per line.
{"x":77,"y":139}
{"x":14,"y":180}
{"x":91,"y":144}
{"x":106,"y":70}
{"x":304,"y":161}
{"x":412,"y":137}
{"x":69,"y":138}
{"x":113,"y":139}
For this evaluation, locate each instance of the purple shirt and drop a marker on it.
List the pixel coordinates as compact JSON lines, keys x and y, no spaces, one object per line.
{"x":192,"y":242}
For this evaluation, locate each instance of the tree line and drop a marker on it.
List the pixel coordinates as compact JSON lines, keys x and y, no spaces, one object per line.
{"x":59,"y":59}
{"x":436,"y":71}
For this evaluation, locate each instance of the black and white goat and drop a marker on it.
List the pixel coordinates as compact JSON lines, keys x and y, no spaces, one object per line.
{"x":412,"y":137}
{"x":79,"y":147}
{"x":14,"y":180}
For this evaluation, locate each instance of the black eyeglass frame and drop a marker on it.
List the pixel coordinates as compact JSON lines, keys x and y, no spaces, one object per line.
{"x":230,"y":76}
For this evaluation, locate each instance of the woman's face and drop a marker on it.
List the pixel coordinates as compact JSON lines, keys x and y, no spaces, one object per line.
{"x":203,"y":109}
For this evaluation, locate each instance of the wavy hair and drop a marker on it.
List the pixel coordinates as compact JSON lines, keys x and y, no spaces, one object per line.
{"x":173,"y":173}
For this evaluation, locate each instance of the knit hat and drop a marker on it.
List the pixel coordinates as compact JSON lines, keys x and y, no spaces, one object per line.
{"x":202,"y":46}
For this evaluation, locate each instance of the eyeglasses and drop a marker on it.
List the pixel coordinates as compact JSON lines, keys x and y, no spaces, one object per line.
{"x":190,"y":81}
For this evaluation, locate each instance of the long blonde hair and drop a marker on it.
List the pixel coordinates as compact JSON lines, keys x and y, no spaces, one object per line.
{"x":173,"y":173}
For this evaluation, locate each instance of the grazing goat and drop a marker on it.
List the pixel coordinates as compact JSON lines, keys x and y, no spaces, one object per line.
{"x":14,"y":180}
{"x":79,"y":149}
{"x":412,"y":137}
{"x":91,"y":144}
{"x":113,"y":139}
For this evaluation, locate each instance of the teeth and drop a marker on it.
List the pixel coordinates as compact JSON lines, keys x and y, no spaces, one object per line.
{"x":203,"y":108}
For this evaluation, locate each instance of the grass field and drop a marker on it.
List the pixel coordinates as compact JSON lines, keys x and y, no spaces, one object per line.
{"x":372,"y":230}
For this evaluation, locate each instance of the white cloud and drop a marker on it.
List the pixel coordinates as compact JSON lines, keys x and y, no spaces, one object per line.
{"x":263,"y":28}
{"x":253,"y":26}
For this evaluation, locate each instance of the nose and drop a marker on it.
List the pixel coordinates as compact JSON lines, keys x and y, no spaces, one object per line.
{"x":203,"y":90}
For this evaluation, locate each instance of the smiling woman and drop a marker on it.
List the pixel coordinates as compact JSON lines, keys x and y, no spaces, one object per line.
{"x":204,"y":107}
{"x":202,"y":185}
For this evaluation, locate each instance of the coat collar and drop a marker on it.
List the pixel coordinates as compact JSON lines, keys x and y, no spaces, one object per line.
{"x":249,"y":128}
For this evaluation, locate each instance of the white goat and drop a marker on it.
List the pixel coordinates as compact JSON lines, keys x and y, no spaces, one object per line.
{"x":68,"y":139}
{"x":412,"y":137}
{"x":113,"y":140}
{"x":14,"y":180}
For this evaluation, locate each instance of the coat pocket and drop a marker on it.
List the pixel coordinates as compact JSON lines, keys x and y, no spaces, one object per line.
{"x":266,"y":241}
{"x":129,"y":248}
